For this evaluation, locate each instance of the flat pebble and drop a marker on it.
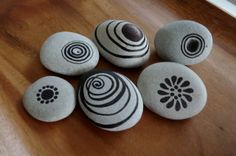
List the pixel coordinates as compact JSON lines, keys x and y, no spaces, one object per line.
{"x":110,"y":100}
{"x":186,"y":42}
{"x":50,"y":99}
{"x":172,"y":90}
{"x":122,"y":43}
{"x":69,"y":53}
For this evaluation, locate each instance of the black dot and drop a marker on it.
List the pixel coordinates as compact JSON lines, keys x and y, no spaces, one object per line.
{"x":179,"y":90}
{"x":39,"y":90}
{"x":192,"y":45}
{"x":172,"y":89}
{"x":172,"y":94}
{"x":55,"y":89}
{"x":176,"y":87}
{"x":38,"y":95}
{"x":38,"y":99}
{"x":42,"y":102}
{"x":176,"y":97}
{"x":179,"y":95}
{"x":51,"y":86}
{"x":47,"y":86}
{"x":57,"y":93}
{"x":47,"y":94}
{"x":51,"y":100}
{"x":47,"y":102}
{"x":132,"y":32}
{"x":44,"y":87}
{"x":55,"y":97}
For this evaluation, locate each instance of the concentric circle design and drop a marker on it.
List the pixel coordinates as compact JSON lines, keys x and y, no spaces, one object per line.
{"x":192,"y":45}
{"x":77,"y":52}
{"x":118,"y":34}
{"x":108,"y":99}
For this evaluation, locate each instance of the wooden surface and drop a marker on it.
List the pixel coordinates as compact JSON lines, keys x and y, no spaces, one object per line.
{"x":25,"y":24}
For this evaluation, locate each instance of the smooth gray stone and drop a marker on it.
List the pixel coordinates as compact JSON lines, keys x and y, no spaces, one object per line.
{"x":69,"y":53}
{"x":185,"y":42}
{"x":110,"y":100}
{"x":122,"y":43}
{"x":172,"y":90}
{"x":49,"y":99}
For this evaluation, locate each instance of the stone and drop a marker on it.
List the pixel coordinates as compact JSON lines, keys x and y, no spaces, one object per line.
{"x":110,"y":100}
{"x":50,"y":99}
{"x":172,"y":90}
{"x":122,"y":43}
{"x":69,"y":53}
{"x":186,"y":42}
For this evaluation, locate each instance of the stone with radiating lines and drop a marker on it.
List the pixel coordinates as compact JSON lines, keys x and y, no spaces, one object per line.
{"x":172,"y":90}
{"x":69,"y":53}
{"x":122,"y":43}
{"x":110,"y":100}
{"x":186,"y":42}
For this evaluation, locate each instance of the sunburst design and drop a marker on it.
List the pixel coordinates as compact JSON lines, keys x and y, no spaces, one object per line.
{"x":47,"y":94}
{"x":175,"y":92}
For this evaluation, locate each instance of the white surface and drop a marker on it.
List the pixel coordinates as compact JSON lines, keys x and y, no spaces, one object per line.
{"x":152,"y":79}
{"x":136,"y":53}
{"x":172,"y":42}
{"x":61,"y":107}
{"x":225,"y":5}
{"x":111,"y":101}
{"x":75,"y":60}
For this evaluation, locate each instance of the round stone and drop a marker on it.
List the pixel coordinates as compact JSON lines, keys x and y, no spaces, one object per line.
{"x":69,"y":53}
{"x":122,"y":43}
{"x":185,"y":42}
{"x":110,"y":100}
{"x":172,"y":90}
{"x":50,"y":99}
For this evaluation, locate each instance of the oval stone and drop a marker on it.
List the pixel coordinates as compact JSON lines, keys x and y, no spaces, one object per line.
{"x":69,"y":53}
{"x":185,"y":42}
{"x":122,"y":43}
{"x":172,"y":90}
{"x":110,"y":100}
{"x":49,"y":99}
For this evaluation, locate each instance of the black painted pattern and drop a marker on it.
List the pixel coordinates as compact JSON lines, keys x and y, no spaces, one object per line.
{"x":175,"y":92}
{"x":77,"y":52}
{"x":132,"y":49}
{"x":192,"y":45}
{"x":105,"y":91}
{"x":47,"y":94}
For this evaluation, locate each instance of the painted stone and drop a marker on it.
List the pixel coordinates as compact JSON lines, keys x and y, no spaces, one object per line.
{"x":110,"y":100}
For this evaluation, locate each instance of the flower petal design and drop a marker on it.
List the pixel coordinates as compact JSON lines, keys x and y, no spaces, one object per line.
{"x":175,"y":92}
{"x":177,"y":106}
{"x":179,"y":80}
{"x":168,"y":82}
{"x":173,"y":79}
{"x":188,"y":97}
{"x":185,"y":84}
{"x":162,"y":85}
{"x":184,"y":103}
{"x":161,"y":92}
{"x":188,"y":90}
{"x":170,"y":104}
{"x":164,"y":99}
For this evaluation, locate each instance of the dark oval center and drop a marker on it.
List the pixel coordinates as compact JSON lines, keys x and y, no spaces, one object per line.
{"x":192,"y":45}
{"x":47,"y":94}
{"x":131,"y":32}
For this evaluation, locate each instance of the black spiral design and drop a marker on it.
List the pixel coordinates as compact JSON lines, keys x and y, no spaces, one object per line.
{"x":108,"y":95}
{"x":130,"y":48}
{"x":77,"y":52}
{"x":192,"y":45}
